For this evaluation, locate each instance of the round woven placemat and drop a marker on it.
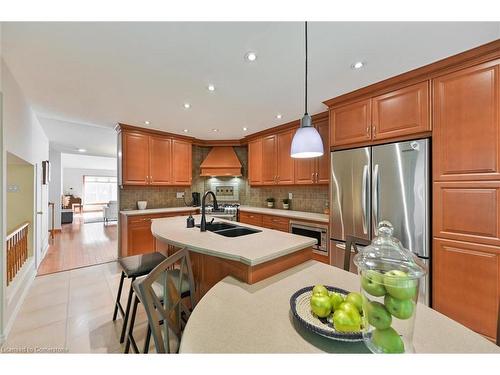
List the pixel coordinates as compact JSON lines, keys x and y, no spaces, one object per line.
{"x":301,"y":309}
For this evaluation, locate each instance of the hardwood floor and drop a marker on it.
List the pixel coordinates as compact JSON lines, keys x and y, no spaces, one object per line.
{"x":81,"y":244}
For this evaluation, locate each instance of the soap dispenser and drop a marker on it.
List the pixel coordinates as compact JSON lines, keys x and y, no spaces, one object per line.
{"x":190,"y":221}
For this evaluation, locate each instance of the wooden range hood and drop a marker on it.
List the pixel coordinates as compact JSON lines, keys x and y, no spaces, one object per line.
{"x":221,"y":161}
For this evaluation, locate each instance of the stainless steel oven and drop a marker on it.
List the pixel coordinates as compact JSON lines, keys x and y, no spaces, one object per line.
{"x":314,"y":230}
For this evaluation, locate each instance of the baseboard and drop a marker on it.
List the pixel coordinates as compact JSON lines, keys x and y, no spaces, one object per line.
{"x":27,"y":281}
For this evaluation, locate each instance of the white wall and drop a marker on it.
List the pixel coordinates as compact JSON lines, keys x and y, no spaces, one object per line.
{"x":73,"y":178}
{"x":24,"y":137}
{"x":55,"y":186}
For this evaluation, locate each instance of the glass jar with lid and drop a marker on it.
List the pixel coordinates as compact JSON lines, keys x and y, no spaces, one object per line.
{"x":390,"y":283}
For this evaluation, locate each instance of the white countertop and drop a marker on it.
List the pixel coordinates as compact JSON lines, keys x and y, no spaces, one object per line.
{"x":234,"y":317}
{"x":287,"y":213}
{"x":252,"y":249}
{"x":151,"y":211}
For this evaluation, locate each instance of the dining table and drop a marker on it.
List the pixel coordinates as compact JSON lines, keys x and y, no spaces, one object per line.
{"x":236,"y":317}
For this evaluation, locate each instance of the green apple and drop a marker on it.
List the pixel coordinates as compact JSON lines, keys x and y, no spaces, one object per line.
{"x":345,"y":322}
{"x":320,"y":289}
{"x":402,"y":309}
{"x":320,"y":305}
{"x":388,"y":340}
{"x":349,"y":308}
{"x":356,"y":299}
{"x":373,"y":283}
{"x":336,"y":299}
{"x":399,"y":285}
{"x":377,"y":315}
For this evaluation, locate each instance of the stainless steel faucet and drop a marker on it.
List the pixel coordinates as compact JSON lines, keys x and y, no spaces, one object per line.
{"x":203,"y":224}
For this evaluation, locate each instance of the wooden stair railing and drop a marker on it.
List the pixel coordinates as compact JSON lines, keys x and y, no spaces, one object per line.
{"x":17,"y":250}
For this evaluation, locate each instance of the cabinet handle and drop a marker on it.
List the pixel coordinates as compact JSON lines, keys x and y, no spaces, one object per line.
{"x":374,"y":133}
{"x":367,"y":130}
{"x":312,"y":177}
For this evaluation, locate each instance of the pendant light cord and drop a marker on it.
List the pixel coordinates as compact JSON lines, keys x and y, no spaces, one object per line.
{"x":305,"y":104}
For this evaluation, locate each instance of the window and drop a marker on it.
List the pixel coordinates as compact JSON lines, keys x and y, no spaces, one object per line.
{"x":99,"y":189}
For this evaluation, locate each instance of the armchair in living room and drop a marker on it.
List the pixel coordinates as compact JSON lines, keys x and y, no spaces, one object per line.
{"x":110,"y":212}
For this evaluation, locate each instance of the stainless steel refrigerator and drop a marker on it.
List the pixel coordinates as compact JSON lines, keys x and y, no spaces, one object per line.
{"x":385,"y":182}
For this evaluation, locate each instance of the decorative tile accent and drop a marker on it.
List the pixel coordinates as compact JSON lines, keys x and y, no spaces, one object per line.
{"x":305,"y":198}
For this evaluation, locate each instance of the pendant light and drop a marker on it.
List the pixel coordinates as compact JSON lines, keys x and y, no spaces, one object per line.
{"x":306,"y":142}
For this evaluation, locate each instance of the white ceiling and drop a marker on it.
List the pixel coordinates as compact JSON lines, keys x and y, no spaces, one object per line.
{"x":104,"y":73}
{"x":68,"y":137}
{"x":87,"y":162}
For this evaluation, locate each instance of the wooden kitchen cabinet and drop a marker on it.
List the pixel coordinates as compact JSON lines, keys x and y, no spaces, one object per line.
{"x":467,"y":211}
{"x":401,"y":112}
{"x":153,"y":159}
{"x":255,"y":162}
{"x":466,"y":136}
{"x":351,"y":123}
{"x":160,"y":156}
{"x":182,"y":162}
{"x":323,"y":162}
{"x":315,"y":170}
{"x":269,"y":160}
{"x":277,"y":166}
{"x":466,"y":284}
{"x":140,"y":238}
{"x":135,"y":158}
{"x":251,"y":218}
{"x":276,"y":222}
{"x":135,"y":232}
{"x":285,"y":163}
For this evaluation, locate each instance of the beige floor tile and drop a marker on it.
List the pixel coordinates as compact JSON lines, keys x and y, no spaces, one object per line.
{"x":37,"y":301}
{"x":31,"y":320}
{"x":94,"y":333}
{"x":51,"y":336}
{"x":84,"y":305}
{"x":42,"y":285}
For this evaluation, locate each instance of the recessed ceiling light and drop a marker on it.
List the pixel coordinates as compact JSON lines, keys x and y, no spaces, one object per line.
{"x":186,"y":131}
{"x":279,"y":115}
{"x":245,"y":129}
{"x":250,"y":56}
{"x":211,"y":87}
{"x":82,"y":150}
{"x":146,"y":122}
{"x":187,"y":105}
{"x":215,"y":130}
{"x":358,"y":65}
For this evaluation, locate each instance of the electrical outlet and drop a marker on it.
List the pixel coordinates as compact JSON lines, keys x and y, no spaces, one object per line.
{"x":180,"y":194}
{"x":290,"y":196}
{"x":13,"y":188}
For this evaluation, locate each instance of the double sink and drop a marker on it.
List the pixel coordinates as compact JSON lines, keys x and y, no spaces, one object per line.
{"x":229,"y":230}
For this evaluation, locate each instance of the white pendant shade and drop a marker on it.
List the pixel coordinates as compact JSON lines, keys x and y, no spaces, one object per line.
{"x":306,"y":143}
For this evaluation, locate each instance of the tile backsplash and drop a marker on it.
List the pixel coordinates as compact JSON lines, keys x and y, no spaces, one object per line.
{"x":305,"y":198}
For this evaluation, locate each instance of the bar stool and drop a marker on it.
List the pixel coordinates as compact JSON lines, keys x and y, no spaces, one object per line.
{"x":163,"y":293}
{"x":132,"y":268}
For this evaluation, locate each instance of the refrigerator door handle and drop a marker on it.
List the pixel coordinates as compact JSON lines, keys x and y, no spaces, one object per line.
{"x":376,"y":218}
{"x":364,"y":198}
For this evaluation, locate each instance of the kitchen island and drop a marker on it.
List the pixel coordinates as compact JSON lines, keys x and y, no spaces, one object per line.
{"x":248,"y":258}
{"x":235,"y":317}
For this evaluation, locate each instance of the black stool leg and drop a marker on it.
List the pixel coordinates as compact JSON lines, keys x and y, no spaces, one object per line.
{"x":127,"y":311}
{"x":130,"y":336}
{"x":119,"y":295}
{"x":148,"y":339}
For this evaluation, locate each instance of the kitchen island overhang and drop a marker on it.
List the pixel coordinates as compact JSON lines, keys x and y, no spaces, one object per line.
{"x":250,"y":258}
